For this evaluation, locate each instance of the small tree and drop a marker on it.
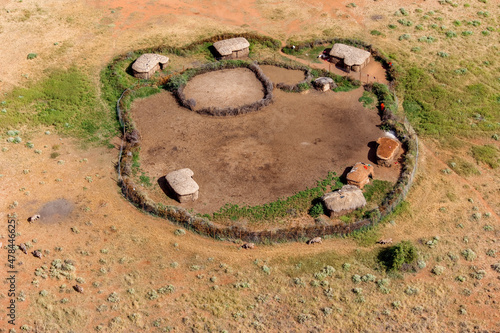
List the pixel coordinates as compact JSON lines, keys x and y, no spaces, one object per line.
{"x":394,"y":257}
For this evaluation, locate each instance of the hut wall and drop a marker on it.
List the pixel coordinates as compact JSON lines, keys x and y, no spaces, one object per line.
{"x":237,"y":54}
{"x":147,"y":75}
{"x":355,"y":68}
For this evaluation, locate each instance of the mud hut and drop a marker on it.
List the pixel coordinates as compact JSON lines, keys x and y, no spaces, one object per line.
{"x":232,"y":48}
{"x":349,"y":57}
{"x":360,"y":174}
{"x":147,"y":64}
{"x":324,"y":84}
{"x":181,"y":183}
{"x":387,"y":150}
{"x":343,"y":201}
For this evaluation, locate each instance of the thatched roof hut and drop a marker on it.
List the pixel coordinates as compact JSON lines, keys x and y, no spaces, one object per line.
{"x":182,"y":184}
{"x":349,"y":57}
{"x":359,"y":174}
{"x":232,"y":48}
{"x":387,"y":150}
{"x":343,"y":201}
{"x":324,"y":83}
{"x":147,"y":64}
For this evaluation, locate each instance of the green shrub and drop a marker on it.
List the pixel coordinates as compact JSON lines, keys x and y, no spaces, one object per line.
{"x":367,"y":99}
{"x":451,"y":34}
{"x":31,"y":56}
{"x":317,"y":210}
{"x":356,"y":278}
{"x":467,"y":33}
{"x":394,"y":257}
{"x":437,"y":270}
{"x":427,"y":39}
{"x":376,"y":33}
{"x":402,"y":11}
{"x":179,"y":232}
{"x":469,"y":255}
{"x":406,"y":23}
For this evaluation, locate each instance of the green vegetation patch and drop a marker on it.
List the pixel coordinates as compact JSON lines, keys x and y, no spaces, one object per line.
{"x":487,"y":154}
{"x":395,"y":257}
{"x":445,"y":110}
{"x":367,"y":99}
{"x":462,"y":167}
{"x":377,"y":190}
{"x":66,"y":100}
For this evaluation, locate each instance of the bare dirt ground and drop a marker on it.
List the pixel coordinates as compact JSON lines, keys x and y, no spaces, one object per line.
{"x":283,"y":75}
{"x":116,"y":248}
{"x":225,"y":88}
{"x":261,"y":156}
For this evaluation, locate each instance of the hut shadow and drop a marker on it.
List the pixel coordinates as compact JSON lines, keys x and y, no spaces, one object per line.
{"x":341,"y":66}
{"x":214,"y":52}
{"x":343,"y":177}
{"x":162,"y":182}
{"x":372,"y":152}
{"x":129,"y":70}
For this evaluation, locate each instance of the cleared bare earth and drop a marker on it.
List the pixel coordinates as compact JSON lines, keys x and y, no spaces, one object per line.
{"x":224,"y":88}
{"x":261,"y":156}
{"x":283,"y":75}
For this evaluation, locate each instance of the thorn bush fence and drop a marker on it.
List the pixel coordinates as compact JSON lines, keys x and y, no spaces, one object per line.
{"x":132,"y":191}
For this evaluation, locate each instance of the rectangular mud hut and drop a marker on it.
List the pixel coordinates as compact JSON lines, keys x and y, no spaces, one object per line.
{"x":349,"y":57}
{"x":147,"y":64}
{"x":182,"y":185}
{"x":232,"y":48}
{"x":387,"y":151}
{"x":360,"y":174}
{"x":343,"y":201}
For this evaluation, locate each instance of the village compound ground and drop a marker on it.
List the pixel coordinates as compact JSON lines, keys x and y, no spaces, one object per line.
{"x":141,"y":273}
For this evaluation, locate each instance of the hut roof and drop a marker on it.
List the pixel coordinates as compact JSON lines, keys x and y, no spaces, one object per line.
{"x":181,"y":181}
{"x":351,"y":55}
{"x":349,"y":197}
{"x":323,"y":80}
{"x":386,"y":147}
{"x":148,"y":61}
{"x":360,"y":172}
{"x":227,"y":46}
